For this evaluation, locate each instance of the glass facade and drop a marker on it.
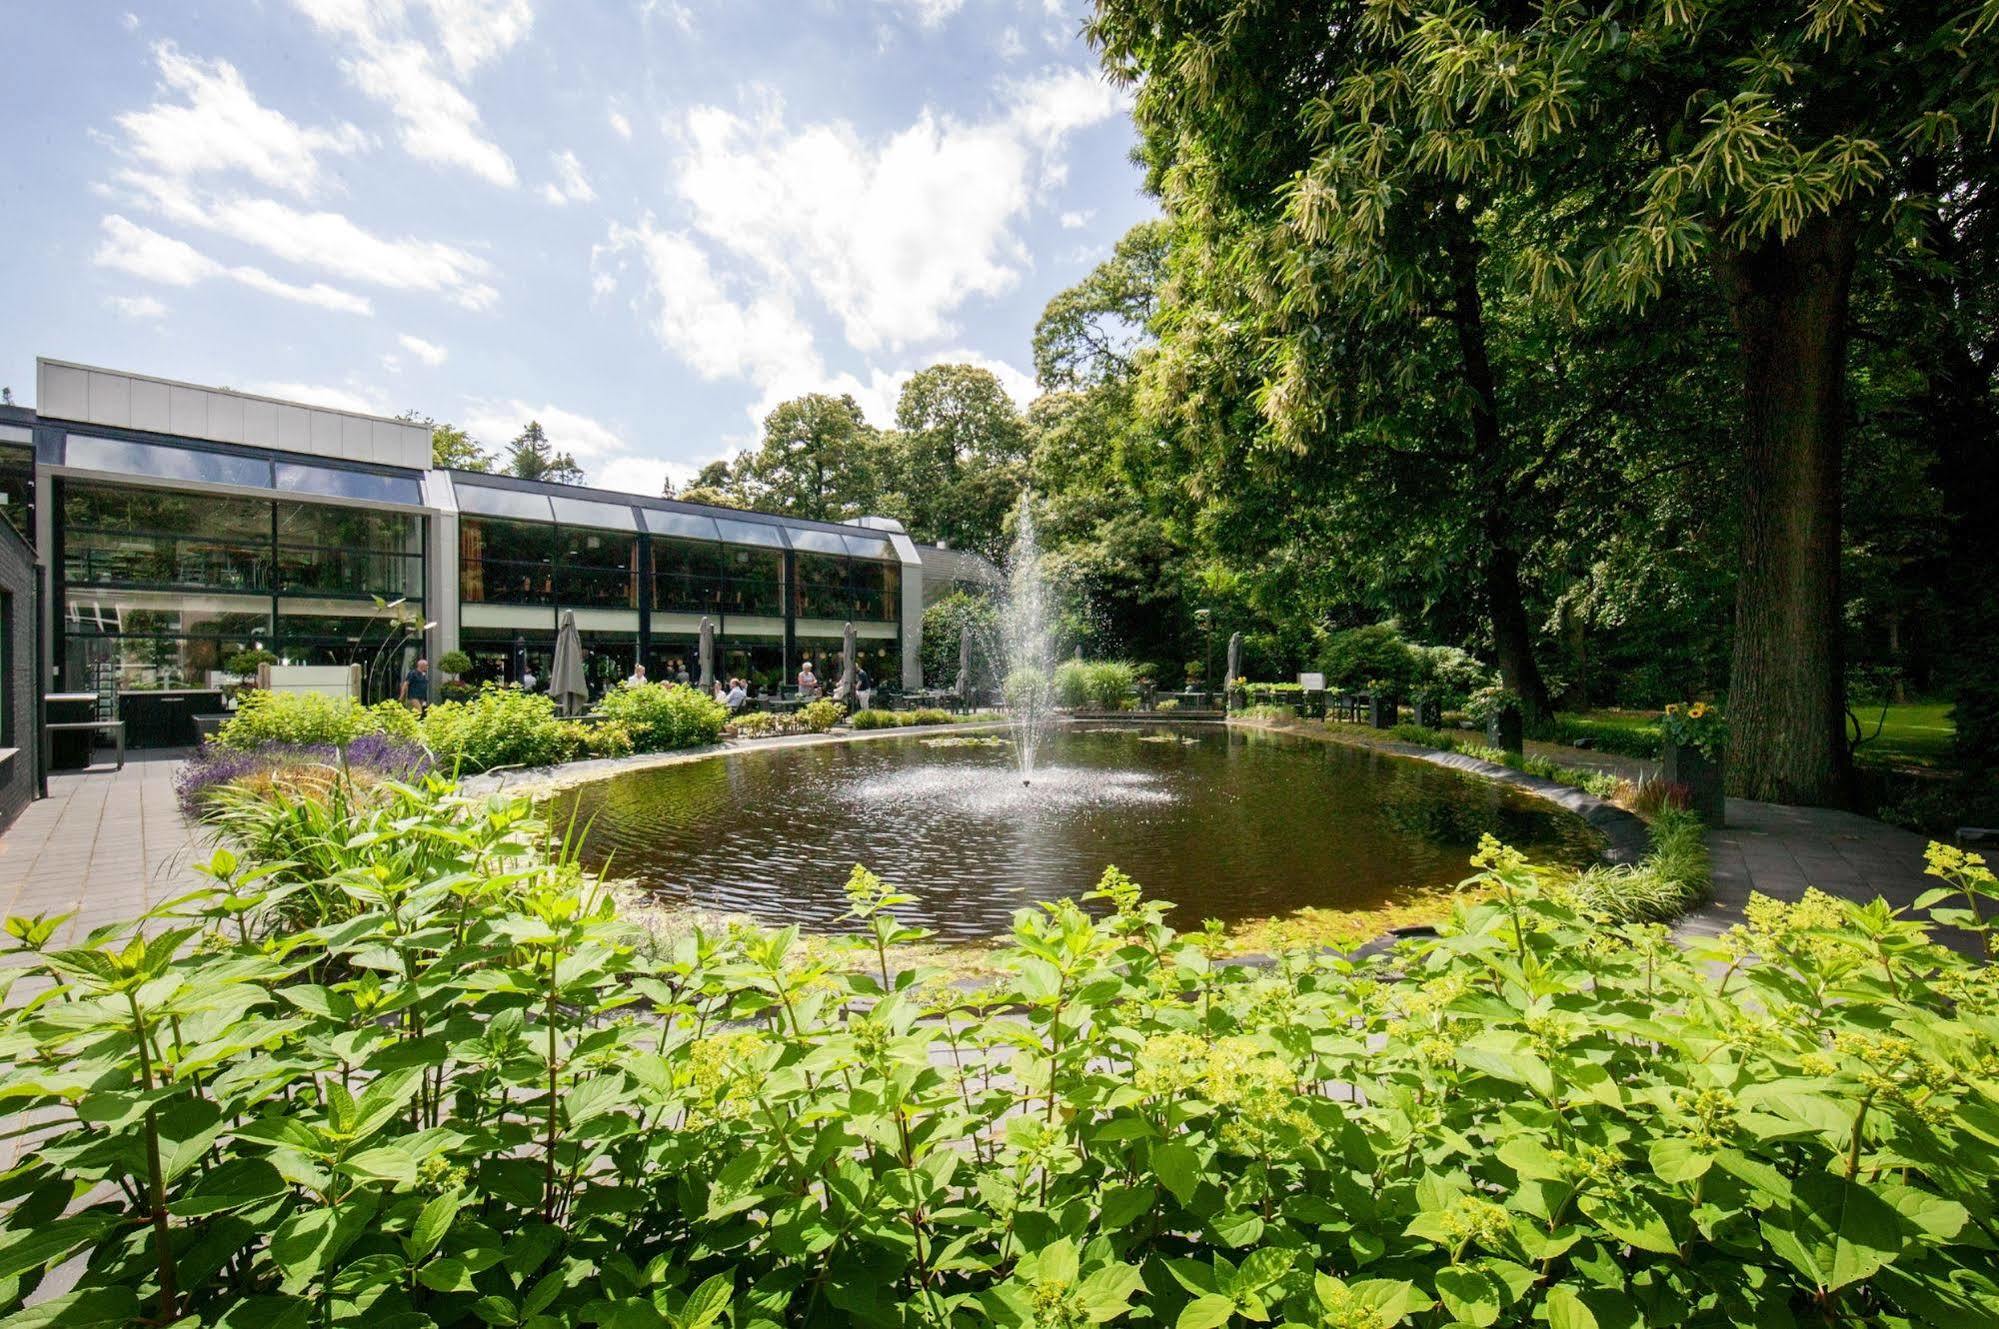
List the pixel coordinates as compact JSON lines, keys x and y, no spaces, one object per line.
{"x":160,"y":586}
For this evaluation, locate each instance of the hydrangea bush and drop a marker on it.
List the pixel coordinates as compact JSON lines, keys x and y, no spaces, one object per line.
{"x":453,"y":1088}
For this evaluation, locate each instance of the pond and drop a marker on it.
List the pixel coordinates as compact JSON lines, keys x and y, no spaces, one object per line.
{"x":1227,"y":823}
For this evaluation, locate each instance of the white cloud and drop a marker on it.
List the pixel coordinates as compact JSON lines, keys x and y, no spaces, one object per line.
{"x":137,"y":306}
{"x":429,"y":352}
{"x":361,"y":401}
{"x":1011,"y":47}
{"x":718,"y":328}
{"x":326,"y":240}
{"x":220,"y":126}
{"x":131,"y":21}
{"x":145,"y":253}
{"x":570,"y":184}
{"x":620,"y":125}
{"x":1076,"y":221}
{"x":439,"y":123}
{"x":475,"y":31}
{"x":928,"y":13}
{"x":891,"y":234}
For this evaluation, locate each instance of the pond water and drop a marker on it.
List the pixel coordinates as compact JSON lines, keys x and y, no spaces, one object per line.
{"x":1228,"y":824}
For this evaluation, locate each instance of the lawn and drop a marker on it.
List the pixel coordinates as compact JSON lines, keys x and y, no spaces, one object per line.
{"x":1913,"y":733}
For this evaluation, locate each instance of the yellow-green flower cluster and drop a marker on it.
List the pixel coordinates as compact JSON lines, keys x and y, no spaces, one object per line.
{"x":723,"y":1074}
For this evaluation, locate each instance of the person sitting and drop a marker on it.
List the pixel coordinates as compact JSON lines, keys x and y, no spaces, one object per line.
{"x":638,"y":677}
{"x":808,"y":682}
{"x":680,"y":674}
{"x":737,"y":695}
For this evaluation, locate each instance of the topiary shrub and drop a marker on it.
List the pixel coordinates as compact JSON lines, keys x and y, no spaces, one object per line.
{"x":1359,"y":657}
{"x":663,"y":716}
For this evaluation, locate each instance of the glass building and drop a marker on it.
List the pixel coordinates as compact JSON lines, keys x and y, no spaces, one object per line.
{"x":181,"y":525}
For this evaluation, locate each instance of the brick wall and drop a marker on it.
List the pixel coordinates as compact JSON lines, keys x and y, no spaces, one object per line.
{"x":18,"y":715}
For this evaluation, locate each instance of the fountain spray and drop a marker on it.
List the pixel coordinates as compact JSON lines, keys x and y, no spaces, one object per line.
{"x":1028,"y":640}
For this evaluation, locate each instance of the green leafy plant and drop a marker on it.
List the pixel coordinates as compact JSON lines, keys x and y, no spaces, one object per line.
{"x":1482,"y":704}
{"x":816,"y":717}
{"x":402,"y":1063}
{"x":245,"y":664}
{"x":663,"y":716}
{"x":455,"y":663}
{"x":500,"y":727}
{"x":309,"y":719}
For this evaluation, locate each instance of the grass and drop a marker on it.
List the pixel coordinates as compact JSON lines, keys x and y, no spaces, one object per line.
{"x":1915,"y":734}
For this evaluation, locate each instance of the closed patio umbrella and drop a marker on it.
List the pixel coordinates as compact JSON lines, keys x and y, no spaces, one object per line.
{"x":567,"y":686}
{"x":965,"y":663}
{"x":849,"y":665}
{"x":1235,"y":659}
{"x":707,"y":654}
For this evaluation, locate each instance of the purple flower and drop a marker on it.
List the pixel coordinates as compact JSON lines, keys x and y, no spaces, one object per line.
{"x":214,"y":766}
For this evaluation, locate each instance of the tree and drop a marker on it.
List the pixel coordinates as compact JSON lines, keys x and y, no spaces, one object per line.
{"x":451,"y":448}
{"x":532,"y":457}
{"x":812,"y":461}
{"x":958,"y":455}
{"x":1721,"y":133}
{"x":1088,"y":334}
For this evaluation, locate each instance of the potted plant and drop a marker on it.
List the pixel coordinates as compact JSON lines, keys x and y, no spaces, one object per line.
{"x":1693,"y":750}
{"x":1238,"y":694}
{"x":1497,"y":708}
{"x":1384,"y":708}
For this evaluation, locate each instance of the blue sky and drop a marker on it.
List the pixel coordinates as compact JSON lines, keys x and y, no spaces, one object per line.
{"x":642,"y":222}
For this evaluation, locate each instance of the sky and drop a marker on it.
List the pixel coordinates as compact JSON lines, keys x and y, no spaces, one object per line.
{"x":641,"y":222}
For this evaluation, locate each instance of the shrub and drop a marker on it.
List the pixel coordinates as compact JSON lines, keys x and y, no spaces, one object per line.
{"x":1655,"y":795}
{"x":663,"y":716}
{"x":1360,"y":657}
{"x":451,"y":1108}
{"x":1169,"y":704}
{"x":311,"y":719}
{"x":1625,"y":737}
{"x":1102,"y":685}
{"x":760,"y":724}
{"x":500,"y":727}
{"x":454,"y":662}
{"x":244,"y":664}
{"x":1264,"y":714}
{"x":873,"y":719}
{"x":816,"y":717}
{"x":941,"y":624}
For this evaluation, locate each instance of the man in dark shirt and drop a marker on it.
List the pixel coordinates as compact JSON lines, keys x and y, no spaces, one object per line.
{"x":416,"y":686}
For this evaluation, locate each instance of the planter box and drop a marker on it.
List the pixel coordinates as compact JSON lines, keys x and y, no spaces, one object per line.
{"x":1236,"y":699}
{"x":1430,"y":713}
{"x":1384,"y":710}
{"x":1702,"y":777}
{"x":1506,"y":730}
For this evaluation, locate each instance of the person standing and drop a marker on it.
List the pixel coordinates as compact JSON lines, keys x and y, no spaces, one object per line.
{"x":416,"y":687}
{"x":864,"y":687}
{"x":638,"y":677}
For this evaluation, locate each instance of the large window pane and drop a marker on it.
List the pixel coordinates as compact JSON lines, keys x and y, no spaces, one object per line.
{"x":356,"y":552}
{"x":752,"y":581}
{"x":122,"y":535}
{"x":164,"y":511}
{"x":686,"y":576}
{"x":337,"y":483}
{"x":166,"y":461}
{"x":597,"y":567}
{"x":822,"y":586}
{"x":505,"y":562}
{"x":157,"y":641}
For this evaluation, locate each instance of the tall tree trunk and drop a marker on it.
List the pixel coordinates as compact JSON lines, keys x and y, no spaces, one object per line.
{"x":1787,"y":696}
{"x":1505,"y":598}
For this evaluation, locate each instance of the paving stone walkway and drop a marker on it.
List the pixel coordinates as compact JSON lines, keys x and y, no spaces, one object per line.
{"x":105,"y":845}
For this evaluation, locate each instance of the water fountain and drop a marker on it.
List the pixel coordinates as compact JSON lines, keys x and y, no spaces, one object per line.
{"x":1027,"y":644}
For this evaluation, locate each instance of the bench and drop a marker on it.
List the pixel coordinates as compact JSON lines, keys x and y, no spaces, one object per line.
{"x":117,"y":728}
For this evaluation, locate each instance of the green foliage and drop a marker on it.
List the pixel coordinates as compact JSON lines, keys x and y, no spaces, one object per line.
{"x":1627,"y":736}
{"x":245,"y":664}
{"x":500,"y":726}
{"x":943,"y":622}
{"x":1669,"y":881}
{"x":1358,"y":657}
{"x":454,"y":662}
{"x":663,"y":716}
{"x":816,"y":717}
{"x":1700,"y":726}
{"x":878,"y":719}
{"x":452,"y":1088}
{"x":761,"y":724}
{"x":308,"y":719}
{"x":1104,"y":685}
